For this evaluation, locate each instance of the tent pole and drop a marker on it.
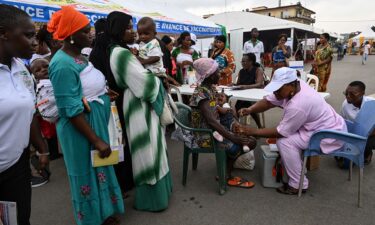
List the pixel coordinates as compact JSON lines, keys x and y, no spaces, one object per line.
{"x":292,"y":37}
{"x":305,"y":48}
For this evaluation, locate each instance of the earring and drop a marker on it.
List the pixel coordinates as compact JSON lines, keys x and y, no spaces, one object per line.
{"x":292,"y":93}
{"x":71,"y":41}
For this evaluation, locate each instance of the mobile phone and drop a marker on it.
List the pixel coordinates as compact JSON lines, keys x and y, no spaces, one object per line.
{"x":86,"y":105}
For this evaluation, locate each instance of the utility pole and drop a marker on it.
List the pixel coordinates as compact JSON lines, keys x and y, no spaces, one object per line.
{"x":279,"y":3}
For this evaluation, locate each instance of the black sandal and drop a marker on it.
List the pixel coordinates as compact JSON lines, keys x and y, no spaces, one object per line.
{"x":111,"y":221}
{"x":288,"y":190}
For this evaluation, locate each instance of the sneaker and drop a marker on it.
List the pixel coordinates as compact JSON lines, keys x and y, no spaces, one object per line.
{"x":37,"y":181}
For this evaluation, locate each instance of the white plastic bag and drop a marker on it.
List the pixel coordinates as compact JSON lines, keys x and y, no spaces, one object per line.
{"x":245,"y":161}
{"x":114,"y":127}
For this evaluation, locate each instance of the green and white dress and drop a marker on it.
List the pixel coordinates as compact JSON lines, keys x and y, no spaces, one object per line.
{"x":143,"y":104}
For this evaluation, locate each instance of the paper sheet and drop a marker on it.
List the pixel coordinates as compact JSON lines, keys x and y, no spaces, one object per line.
{"x":116,"y":156}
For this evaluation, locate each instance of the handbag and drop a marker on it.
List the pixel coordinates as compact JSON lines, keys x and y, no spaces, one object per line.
{"x":172,"y":105}
{"x":166,"y":117}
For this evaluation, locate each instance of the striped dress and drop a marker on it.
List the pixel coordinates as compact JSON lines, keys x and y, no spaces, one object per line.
{"x":146,"y":136}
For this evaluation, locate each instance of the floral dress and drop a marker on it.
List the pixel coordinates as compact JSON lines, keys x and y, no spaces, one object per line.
{"x":226,"y":62}
{"x":323,"y":71}
{"x":203,"y":140}
{"x":96,"y":194}
{"x":197,"y":120}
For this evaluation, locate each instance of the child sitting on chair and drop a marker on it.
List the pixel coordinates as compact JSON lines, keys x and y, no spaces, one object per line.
{"x":150,"y":53}
{"x":227,"y":117}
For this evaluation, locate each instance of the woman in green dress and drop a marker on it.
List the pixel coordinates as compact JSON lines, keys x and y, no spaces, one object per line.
{"x":184,"y":56}
{"x":143,"y":104}
{"x":83,"y":127}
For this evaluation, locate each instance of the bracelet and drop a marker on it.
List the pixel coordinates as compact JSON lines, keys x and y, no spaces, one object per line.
{"x":41,"y":154}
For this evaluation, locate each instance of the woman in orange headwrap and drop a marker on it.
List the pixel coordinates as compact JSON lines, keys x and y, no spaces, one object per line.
{"x":83,"y":125}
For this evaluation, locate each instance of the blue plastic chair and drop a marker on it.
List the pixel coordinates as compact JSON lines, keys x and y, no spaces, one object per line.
{"x":183,"y":120}
{"x":354,"y":144}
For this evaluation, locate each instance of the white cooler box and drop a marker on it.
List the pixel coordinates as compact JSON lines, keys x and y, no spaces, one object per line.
{"x":267,"y":163}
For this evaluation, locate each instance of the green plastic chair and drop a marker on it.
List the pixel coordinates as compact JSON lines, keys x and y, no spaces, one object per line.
{"x":183,"y":120}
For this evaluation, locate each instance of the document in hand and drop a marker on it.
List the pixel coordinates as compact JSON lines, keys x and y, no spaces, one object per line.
{"x":114,"y":158}
{"x":8,"y":213}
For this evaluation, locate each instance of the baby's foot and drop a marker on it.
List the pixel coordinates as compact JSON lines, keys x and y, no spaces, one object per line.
{"x":246,"y":148}
{"x":218,"y":136}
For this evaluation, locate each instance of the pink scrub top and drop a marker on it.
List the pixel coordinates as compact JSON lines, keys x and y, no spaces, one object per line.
{"x":306,"y":113}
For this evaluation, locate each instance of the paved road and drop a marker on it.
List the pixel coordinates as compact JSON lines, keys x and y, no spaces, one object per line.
{"x":331,"y":199}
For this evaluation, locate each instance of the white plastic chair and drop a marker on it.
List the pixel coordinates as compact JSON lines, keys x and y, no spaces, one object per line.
{"x":175,"y":90}
{"x":314,"y":78}
{"x":303,"y":75}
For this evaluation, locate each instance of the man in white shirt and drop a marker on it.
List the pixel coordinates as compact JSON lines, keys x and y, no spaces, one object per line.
{"x":254,"y":46}
{"x":355,"y":99}
{"x":366,"y":52}
{"x":345,"y":46}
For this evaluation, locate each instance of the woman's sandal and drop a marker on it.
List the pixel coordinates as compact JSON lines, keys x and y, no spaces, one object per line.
{"x":239,"y":182}
{"x":288,"y":190}
{"x":238,"y":178}
{"x":125,"y":195}
{"x":111,"y":221}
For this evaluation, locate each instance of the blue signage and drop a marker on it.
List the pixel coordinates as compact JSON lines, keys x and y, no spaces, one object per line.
{"x":40,"y":13}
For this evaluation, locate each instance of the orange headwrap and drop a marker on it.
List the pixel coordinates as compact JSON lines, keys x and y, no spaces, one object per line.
{"x":66,"y":22}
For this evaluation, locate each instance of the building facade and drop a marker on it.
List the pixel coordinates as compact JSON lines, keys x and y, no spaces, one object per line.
{"x":296,"y":13}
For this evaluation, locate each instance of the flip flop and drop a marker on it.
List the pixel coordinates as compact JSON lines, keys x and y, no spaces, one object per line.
{"x":241,"y":183}
{"x":236,"y":178}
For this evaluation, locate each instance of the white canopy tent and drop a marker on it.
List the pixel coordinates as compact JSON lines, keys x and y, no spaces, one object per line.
{"x":366,"y":34}
{"x":168,"y":19}
{"x":248,"y":20}
{"x":239,"y":25}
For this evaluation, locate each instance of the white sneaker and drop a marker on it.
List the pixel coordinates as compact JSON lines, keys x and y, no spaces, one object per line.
{"x":37,"y":181}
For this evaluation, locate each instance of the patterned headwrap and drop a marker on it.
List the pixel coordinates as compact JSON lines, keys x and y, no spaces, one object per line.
{"x":204,"y":67}
{"x":66,"y":22}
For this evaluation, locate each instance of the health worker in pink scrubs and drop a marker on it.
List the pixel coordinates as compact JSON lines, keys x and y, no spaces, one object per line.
{"x":305,"y":112}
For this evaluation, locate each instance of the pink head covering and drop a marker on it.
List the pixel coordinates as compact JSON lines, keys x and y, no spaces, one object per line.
{"x":204,"y":67}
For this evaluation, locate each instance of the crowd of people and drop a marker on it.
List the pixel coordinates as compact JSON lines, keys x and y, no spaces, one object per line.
{"x":85,"y":74}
